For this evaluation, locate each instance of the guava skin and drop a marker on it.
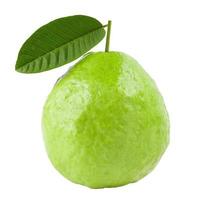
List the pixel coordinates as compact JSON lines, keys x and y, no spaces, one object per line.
{"x":105,"y":123}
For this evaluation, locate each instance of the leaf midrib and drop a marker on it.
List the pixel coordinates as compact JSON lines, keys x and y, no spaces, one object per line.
{"x":59,"y":47}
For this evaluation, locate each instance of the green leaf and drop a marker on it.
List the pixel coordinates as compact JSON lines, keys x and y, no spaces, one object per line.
{"x":59,"y":42}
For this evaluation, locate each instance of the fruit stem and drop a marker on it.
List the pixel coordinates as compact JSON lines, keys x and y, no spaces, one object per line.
{"x":108,"y":36}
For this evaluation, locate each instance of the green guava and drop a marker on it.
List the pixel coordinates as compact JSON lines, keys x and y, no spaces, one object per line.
{"x":105,"y":123}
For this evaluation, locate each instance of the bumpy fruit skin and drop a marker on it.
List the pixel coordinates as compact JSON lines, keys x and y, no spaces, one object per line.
{"x":105,"y":123}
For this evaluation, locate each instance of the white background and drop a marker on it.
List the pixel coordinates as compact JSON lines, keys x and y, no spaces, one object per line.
{"x":164,"y":36}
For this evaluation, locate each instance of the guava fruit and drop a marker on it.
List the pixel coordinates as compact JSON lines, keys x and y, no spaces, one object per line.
{"x":105,"y":123}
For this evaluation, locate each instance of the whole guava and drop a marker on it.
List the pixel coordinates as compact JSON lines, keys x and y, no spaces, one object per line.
{"x":105,"y":123}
